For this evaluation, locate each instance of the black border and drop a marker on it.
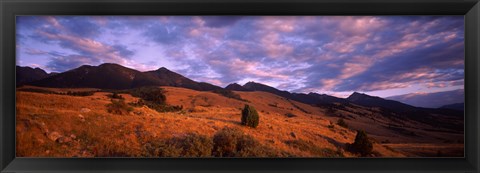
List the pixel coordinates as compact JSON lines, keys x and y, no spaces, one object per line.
{"x":10,"y":8}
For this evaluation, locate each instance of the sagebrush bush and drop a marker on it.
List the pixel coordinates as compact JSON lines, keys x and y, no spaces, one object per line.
{"x":151,"y":94}
{"x":80,"y":93}
{"x":362,"y":144}
{"x":161,"y":148}
{"x":229,"y":142}
{"x":119,"y":107}
{"x":154,"y":98}
{"x":229,"y":94}
{"x":195,"y":145}
{"x":190,"y":145}
{"x":342,"y":123}
{"x":225,"y":142}
{"x":250,"y":116}
{"x":290,"y":115}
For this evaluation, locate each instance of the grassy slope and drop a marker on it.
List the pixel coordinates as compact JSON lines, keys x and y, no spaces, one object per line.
{"x":105,"y":134}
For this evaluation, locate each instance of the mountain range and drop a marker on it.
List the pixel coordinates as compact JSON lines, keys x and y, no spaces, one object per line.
{"x":114,"y":76}
{"x":431,"y":100}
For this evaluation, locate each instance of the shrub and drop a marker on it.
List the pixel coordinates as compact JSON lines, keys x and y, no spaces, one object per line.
{"x":115,"y":95}
{"x":154,"y":98}
{"x":229,"y":142}
{"x":229,"y":94}
{"x":119,"y":107}
{"x":161,"y":148}
{"x":225,"y":142}
{"x":290,"y":115}
{"x":250,"y":116}
{"x":80,"y":93}
{"x":150,"y":94}
{"x":342,"y":123}
{"x":195,"y":145}
{"x":190,"y":145}
{"x":362,"y":144}
{"x":273,"y":105}
{"x":312,"y":148}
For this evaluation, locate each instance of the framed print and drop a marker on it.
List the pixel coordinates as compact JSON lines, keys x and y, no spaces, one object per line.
{"x":152,"y":86}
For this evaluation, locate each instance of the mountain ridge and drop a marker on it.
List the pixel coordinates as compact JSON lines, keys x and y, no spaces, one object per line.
{"x":120,"y":77}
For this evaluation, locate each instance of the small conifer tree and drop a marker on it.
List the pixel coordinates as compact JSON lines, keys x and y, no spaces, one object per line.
{"x":250,"y":116}
{"x":362,"y":144}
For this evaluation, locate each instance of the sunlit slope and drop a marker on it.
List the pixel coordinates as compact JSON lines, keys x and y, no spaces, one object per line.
{"x":86,"y":129}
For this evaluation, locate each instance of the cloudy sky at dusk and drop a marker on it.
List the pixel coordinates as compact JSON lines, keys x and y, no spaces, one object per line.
{"x":336,"y":55}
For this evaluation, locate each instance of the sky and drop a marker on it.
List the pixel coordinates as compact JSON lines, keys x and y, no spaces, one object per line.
{"x":337,"y":55}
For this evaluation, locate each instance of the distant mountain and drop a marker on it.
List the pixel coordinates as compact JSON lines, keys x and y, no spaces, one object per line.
{"x":326,"y":99}
{"x":105,"y":76}
{"x":401,"y":110}
{"x":169,"y":78}
{"x":114,"y":76}
{"x":431,"y":100}
{"x":372,"y":101}
{"x":236,"y":87}
{"x":311,"y":98}
{"x":253,"y":86}
{"x":455,"y":106}
{"x":28,"y":74}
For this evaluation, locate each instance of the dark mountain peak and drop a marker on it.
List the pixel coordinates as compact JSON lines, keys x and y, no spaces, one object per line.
{"x":170,"y":78}
{"x":317,"y":94}
{"x":112,"y":65}
{"x":38,"y":68}
{"x":83,"y":67}
{"x":108,"y":64}
{"x":374,"y":101}
{"x":236,"y":87}
{"x":27,"y":74}
{"x":254,"y":85}
{"x":166,"y":73}
{"x":326,"y":99}
{"x":162,"y":69}
{"x":361,"y":96}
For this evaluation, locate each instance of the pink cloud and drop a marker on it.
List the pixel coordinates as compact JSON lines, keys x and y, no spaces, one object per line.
{"x":273,"y":47}
{"x":281,"y":24}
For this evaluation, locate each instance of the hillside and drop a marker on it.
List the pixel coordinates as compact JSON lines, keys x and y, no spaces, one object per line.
{"x":88,"y":130}
{"x":455,"y":106}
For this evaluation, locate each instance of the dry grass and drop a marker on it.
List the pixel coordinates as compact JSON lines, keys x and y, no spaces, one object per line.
{"x":103,"y":134}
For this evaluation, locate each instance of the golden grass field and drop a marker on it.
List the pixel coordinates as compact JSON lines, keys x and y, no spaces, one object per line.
{"x":51,"y":125}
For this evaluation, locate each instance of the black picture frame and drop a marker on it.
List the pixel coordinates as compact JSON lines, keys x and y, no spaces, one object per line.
{"x":11,"y":8}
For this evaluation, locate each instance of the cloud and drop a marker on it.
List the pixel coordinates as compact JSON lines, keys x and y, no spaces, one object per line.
{"x":64,"y":63}
{"x":334,"y":54}
{"x":220,"y":21}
